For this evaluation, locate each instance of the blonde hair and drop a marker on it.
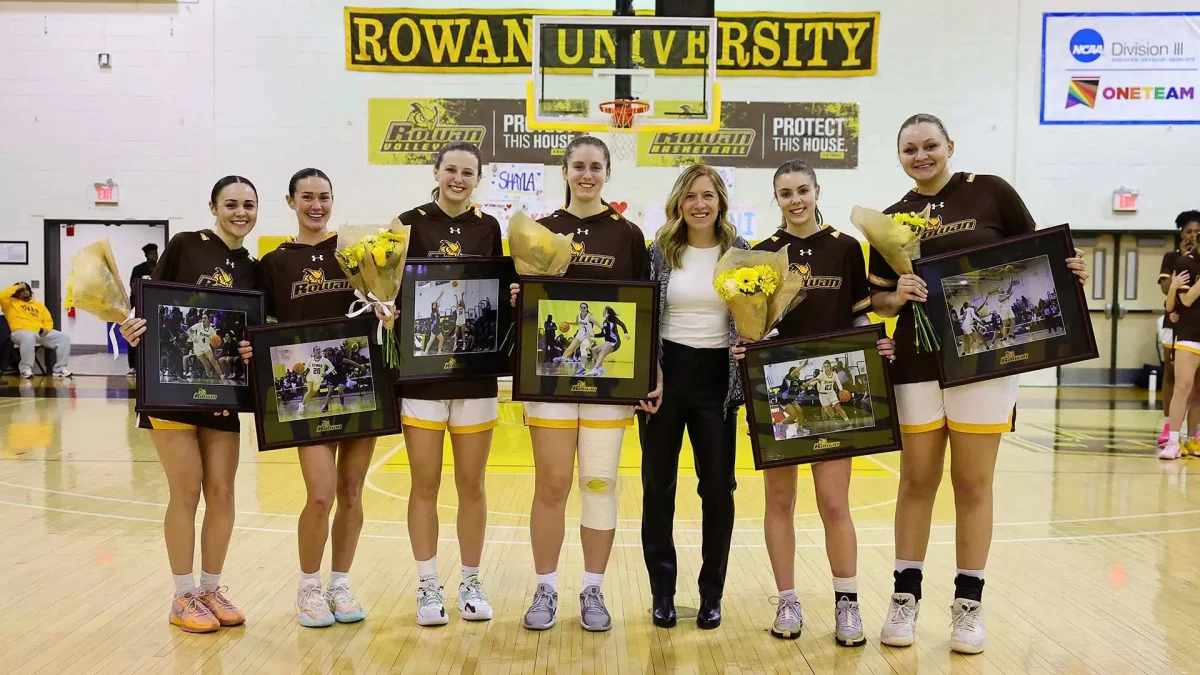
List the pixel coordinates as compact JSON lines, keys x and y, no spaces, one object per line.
{"x":672,"y":237}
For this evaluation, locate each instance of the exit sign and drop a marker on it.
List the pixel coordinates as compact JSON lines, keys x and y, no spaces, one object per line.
{"x":1125,"y":201}
{"x":107,"y":193}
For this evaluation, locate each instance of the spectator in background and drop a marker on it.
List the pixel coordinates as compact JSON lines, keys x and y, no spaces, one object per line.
{"x":1188,"y":224}
{"x":142,"y":271}
{"x":31,"y":326}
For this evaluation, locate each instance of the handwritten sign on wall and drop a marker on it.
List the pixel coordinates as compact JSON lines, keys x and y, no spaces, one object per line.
{"x":516,"y":182}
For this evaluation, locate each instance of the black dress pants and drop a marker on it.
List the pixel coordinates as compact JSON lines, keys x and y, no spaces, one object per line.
{"x":695,"y":383}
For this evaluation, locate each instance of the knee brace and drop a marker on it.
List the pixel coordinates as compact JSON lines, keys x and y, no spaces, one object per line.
{"x":599,"y":454}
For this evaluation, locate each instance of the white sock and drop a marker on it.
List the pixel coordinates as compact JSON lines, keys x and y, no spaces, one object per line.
{"x":978,"y":574}
{"x":902,"y":565}
{"x":209,"y":582}
{"x":310,"y":580}
{"x":184,"y":583}
{"x":339,"y":579}
{"x":592,"y":579}
{"x":789,"y":594}
{"x":845,"y":584}
{"x":427,"y":569}
{"x":1181,"y":436}
{"x":468,"y":572}
{"x":550,"y":580}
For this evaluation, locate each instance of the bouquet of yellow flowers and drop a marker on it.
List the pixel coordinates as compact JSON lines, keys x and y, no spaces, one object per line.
{"x":97,"y":287}
{"x":758,"y":288}
{"x":373,"y":259}
{"x":535,"y":250}
{"x":898,"y":239}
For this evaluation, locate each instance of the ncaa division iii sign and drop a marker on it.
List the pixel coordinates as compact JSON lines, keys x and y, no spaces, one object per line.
{"x":1120,"y":68}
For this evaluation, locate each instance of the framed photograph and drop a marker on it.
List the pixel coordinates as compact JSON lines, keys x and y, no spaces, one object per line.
{"x":586,"y":341}
{"x":188,"y":357}
{"x":1006,"y":308}
{"x":320,"y":382}
{"x":819,"y":398}
{"x":455,"y":318}
{"x":14,"y":253}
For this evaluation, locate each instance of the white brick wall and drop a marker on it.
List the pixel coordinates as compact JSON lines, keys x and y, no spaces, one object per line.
{"x":210,"y":87}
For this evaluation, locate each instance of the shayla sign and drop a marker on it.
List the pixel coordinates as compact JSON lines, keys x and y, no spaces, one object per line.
{"x":749,"y":43}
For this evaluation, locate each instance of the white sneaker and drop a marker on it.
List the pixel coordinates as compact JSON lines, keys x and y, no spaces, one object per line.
{"x":472,"y":601}
{"x":1170,"y":450}
{"x":345,"y":607}
{"x":967,"y":620}
{"x":63,"y":373}
{"x":312,"y":607}
{"x":901,"y":621}
{"x":848,"y":624}
{"x":431,"y":606}
{"x":26,"y":374}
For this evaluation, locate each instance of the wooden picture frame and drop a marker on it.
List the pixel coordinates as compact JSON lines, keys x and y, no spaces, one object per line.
{"x":320,"y":382}
{"x":1027,"y":309}
{"x":175,"y":371}
{"x":782,"y":382}
{"x":624,"y":380}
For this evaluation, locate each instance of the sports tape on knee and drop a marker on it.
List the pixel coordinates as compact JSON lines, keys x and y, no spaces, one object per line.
{"x":599,"y":454}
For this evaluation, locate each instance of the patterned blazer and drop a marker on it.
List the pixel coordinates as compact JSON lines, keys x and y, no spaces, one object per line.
{"x":660,"y":271}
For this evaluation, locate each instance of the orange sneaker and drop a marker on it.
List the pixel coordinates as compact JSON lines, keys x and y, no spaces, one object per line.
{"x":220,"y":607}
{"x":192,"y":615}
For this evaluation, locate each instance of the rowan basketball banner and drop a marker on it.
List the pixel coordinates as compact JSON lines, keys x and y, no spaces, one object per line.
{"x":760,"y":135}
{"x":410,"y":130}
{"x":1120,"y":68}
{"x":839,"y":44}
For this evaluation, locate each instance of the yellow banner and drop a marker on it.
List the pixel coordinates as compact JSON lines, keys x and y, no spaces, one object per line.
{"x":762,"y":44}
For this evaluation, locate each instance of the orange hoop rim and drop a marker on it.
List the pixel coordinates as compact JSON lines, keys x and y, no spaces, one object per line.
{"x":624,"y":111}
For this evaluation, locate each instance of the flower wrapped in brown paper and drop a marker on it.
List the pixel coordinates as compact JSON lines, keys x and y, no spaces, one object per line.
{"x":95,"y":284}
{"x":758,"y":288}
{"x":535,"y":250}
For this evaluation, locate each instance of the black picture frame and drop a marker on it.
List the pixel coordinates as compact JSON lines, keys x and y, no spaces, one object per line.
{"x":493,"y":323}
{"x":1047,"y":330}
{"x":166,"y":362}
{"x":277,"y":345}
{"x":10,"y":247}
{"x":534,"y":377}
{"x":872,"y":399}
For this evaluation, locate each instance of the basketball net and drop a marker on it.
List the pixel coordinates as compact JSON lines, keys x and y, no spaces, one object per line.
{"x":623,"y":127}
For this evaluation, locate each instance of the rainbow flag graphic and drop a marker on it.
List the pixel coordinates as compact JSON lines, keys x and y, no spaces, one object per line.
{"x":1083,"y":91}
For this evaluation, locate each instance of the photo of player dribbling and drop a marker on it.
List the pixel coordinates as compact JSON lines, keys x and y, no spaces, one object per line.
{"x":456,"y":317}
{"x":819,"y":395}
{"x":318,"y":379}
{"x":1003,"y":306}
{"x":199,"y":346}
{"x":582,"y":340}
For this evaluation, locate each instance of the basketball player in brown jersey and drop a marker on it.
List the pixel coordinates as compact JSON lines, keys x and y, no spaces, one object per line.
{"x":450,"y":226}
{"x":607,"y":246}
{"x":198,"y":451}
{"x":303,"y":281}
{"x":967,"y":210}
{"x":835,"y":280}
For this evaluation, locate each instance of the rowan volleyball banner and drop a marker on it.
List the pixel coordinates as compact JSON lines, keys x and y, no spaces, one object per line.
{"x":760,"y":135}
{"x":1120,"y":68}
{"x":840,"y":44}
{"x":410,"y":130}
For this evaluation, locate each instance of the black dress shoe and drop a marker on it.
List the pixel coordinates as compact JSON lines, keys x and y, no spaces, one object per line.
{"x":663,"y":610}
{"x":709,"y":616}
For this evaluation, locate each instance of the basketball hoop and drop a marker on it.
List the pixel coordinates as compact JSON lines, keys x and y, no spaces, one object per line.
{"x":623,"y":125}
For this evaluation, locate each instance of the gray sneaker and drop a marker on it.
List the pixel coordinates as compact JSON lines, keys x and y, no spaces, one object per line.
{"x":789,"y":618}
{"x":544,"y":609}
{"x":849,"y":631}
{"x":592,"y":612}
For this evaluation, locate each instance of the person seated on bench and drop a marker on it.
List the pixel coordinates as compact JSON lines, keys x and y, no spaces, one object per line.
{"x":31,"y":326}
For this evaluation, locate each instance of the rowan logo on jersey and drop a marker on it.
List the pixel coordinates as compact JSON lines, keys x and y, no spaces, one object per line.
{"x":809,"y":281}
{"x":826,"y":444}
{"x":447,"y":249}
{"x":313,"y":281}
{"x":219,"y":277}
{"x":937,"y":228}
{"x":203,"y":395}
{"x":580,"y":256}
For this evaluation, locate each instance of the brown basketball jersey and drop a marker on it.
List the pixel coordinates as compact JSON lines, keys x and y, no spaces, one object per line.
{"x":1187,"y":329}
{"x":435,"y":233}
{"x":1165,"y":272}
{"x":971,"y":210}
{"x":835,"y":281}
{"x":304,"y":282}
{"x":202,"y":259}
{"x":606,"y":246}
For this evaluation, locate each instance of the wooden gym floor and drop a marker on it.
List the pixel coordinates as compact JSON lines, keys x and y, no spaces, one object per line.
{"x":1093,"y":570}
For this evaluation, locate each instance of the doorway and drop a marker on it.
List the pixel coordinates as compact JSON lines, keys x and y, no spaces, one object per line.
{"x":1125,"y":302}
